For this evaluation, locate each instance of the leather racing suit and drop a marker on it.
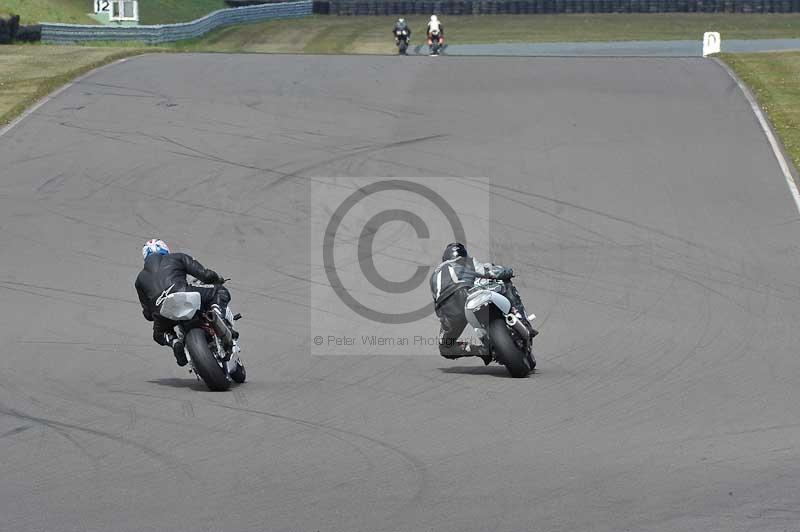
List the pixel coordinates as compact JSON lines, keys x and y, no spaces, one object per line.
{"x":167,"y":273}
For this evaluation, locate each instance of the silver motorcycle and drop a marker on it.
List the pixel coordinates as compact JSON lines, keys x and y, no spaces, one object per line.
{"x":500,"y":327}
{"x":213,"y":353}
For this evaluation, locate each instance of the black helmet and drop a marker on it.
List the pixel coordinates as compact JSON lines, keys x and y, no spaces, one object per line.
{"x":454,"y":250}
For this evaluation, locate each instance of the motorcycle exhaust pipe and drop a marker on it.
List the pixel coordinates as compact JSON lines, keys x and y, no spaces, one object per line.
{"x":513,"y":321}
{"x":221,"y":329}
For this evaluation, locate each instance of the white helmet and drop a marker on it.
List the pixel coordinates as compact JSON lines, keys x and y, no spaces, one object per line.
{"x":433,"y":18}
{"x":154,"y":245}
{"x":401,"y":20}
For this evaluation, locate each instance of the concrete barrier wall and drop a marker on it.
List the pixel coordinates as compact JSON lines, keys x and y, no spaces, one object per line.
{"x":72,"y":33}
{"x":493,"y":7}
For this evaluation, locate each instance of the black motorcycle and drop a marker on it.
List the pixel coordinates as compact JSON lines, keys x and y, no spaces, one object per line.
{"x":401,"y":39}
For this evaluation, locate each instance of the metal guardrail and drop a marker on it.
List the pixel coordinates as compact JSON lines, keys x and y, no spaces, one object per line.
{"x":74,"y":33}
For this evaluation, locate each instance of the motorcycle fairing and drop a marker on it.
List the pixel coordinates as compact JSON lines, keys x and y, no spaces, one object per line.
{"x":180,"y":306}
{"x":479,"y":298}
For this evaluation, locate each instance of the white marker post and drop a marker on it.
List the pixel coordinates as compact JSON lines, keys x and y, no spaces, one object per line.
{"x":712,"y":43}
{"x":124,"y":10}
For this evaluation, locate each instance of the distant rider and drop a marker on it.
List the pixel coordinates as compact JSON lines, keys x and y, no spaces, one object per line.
{"x":450,"y":283}
{"x":165,"y":273}
{"x":401,"y":25}
{"x":435,"y":27}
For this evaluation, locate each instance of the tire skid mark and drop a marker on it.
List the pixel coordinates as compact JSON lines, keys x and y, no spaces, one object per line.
{"x":186,"y":203}
{"x":240,"y":397}
{"x":648,"y":229}
{"x":132,"y":419}
{"x":59,"y":425}
{"x":613,"y":333}
{"x":48,"y":296}
{"x":419,"y":467}
{"x":15,"y":431}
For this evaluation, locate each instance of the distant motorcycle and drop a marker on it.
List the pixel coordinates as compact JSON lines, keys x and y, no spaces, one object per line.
{"x":401,"y":39}
{"x":435,"y":41}
{"x":212,"y":351}
{"x":503,"y":332}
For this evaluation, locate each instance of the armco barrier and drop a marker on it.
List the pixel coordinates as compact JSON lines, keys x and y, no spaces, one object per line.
{"x":241,"y":3}
{"x":71,"y":33}
{"x":496,"y":7}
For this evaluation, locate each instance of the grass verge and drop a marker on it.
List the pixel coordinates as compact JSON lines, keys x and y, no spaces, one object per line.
{"x":35,"y":11}
{"x":76,"y":11}
{"x":774,"y":78}
{"x":28,"y":73}
{"x":169,"y":11}
{"x":331,"y":34}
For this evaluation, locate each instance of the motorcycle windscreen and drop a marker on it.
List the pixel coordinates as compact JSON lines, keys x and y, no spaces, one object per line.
{"x":180,"y":306}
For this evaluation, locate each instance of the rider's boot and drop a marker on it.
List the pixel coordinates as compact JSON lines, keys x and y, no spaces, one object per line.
{"x":480,"y":352}
{"x":177,"y":348}
{"x":455,"y":350}
{"x":473,"y":350}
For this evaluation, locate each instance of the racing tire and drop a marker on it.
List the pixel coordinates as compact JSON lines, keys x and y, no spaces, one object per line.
{"x":508,"y":354}
{"x":204,"y":361}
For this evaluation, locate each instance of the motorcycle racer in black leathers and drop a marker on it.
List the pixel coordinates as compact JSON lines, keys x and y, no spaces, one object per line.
{"x":400,"y":25}
{"x":450,"y":283}
{"x":164,"y":273}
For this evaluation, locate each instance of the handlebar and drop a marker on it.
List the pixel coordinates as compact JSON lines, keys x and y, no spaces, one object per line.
{"x":506,"y":275}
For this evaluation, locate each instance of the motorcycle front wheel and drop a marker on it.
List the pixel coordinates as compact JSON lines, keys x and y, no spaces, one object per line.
{"x":512,"y":357}
{"x":204,"y":361}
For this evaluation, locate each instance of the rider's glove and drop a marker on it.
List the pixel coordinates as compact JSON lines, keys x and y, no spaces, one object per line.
{"x":216,"y":278}
{"x":504,"y":274}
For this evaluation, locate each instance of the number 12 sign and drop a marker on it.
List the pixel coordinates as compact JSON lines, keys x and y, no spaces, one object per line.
{"x":102,"y":6}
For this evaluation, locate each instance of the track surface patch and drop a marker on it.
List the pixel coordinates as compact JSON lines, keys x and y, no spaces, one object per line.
{"x":637,"y":199}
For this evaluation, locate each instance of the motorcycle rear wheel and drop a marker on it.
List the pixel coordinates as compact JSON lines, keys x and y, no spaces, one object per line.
{"x":204,"y":361}
{"x":512,"y":357}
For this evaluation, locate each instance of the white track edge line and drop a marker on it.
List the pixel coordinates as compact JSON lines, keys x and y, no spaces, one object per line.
{"x":773,"y":141}
{"x":29,"y":111}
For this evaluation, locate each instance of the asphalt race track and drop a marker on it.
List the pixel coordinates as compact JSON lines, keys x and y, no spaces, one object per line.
{"x":638,"y":200}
